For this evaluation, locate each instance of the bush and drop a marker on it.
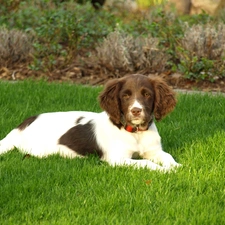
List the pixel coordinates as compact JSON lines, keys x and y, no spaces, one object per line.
{"x":61,"y":30}
{"x":149,"y":42}
{"x":15,"y":47}
{"x":121,"y":51}
{"x":202,"y":51}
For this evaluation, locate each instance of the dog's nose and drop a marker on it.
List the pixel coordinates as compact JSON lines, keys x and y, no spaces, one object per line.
{"x":136,"y":111}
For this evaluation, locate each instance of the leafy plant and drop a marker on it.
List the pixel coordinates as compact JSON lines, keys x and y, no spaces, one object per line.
{"x":61,"y":30}
{"x":201,"y":52}
{"x":153,"y":41}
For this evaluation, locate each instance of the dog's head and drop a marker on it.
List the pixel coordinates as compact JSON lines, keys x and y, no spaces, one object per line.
{"x":132,"y":100}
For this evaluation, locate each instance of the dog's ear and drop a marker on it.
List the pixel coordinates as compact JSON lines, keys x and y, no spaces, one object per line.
{"x":165,"y":100}
{"x":109,"y":99}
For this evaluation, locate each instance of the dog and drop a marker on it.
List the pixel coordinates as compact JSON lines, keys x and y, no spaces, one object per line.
{"x":120,"y":135}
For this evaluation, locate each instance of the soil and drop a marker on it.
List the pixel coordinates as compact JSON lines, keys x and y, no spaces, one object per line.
{"x":83,"y":71}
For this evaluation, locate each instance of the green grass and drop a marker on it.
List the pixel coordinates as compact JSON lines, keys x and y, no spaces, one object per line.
{"x":87,"y":191}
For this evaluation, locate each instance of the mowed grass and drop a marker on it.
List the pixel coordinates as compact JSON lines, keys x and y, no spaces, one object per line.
{"x":55,"y":190}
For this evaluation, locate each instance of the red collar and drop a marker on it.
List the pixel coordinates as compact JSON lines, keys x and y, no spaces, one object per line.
{"x":133,"y":129}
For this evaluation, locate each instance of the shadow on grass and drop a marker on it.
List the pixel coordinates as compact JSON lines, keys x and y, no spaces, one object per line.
{"x":195,"y":118}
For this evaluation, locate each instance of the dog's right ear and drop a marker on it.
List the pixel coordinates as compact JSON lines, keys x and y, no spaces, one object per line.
{"x":109,"y":99}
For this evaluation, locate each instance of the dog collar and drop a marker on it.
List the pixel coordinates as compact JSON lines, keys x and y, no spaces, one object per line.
{"x":133,"y":129}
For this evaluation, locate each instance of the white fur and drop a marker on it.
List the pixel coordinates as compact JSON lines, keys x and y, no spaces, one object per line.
{"x":140,"y":118}
{"x":136,"y":104}
{"x":118,"y":145}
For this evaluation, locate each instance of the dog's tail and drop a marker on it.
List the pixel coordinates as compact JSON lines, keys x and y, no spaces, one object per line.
{"x":10,"y":141}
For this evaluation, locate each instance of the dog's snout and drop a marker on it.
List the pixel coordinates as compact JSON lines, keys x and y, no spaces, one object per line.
{"x":136,"y":111}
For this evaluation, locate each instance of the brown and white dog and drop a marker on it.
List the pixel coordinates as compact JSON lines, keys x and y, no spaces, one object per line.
{"x":125,"y":129}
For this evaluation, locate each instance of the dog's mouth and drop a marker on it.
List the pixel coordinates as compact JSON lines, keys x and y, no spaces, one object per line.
{"x":142,"y":122}
{"x":137,"y":121}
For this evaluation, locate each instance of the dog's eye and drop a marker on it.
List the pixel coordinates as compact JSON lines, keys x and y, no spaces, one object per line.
{"x":126,"y":96}
{"x":146,"y":94}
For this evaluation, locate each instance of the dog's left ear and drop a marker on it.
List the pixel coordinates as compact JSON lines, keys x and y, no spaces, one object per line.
{"x":165,"y":100}
{"x":109,"y":99}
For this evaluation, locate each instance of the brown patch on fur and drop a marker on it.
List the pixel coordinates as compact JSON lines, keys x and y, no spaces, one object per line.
{"x":81,"y":139}
{"x":27,"y":122}
{"x":165,"y":100}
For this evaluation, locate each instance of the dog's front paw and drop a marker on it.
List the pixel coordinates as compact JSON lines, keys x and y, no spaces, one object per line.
{"x":172,"y":167}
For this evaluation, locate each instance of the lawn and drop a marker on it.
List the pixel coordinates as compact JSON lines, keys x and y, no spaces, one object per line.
{"x":87,"y":191}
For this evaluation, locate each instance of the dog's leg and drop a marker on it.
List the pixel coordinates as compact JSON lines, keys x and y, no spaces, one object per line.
{"x":10,"y":141}
{"x":142,"y":163}
{"x":162,"y":158}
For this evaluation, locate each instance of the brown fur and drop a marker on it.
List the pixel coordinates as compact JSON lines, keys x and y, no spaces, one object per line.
{"x":165,"y":100}
{"x":27,"y":122}
{"x":109,"y":99}
{"x":164,"y":97}
{"x":81,"y":139}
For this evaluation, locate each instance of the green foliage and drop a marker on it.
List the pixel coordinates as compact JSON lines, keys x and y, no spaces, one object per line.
{"x":169,"y":29}
{"x":8,"y":5}
{"x":200,"y":69}
{"x":202,"y":51}
{"x":60,"y":30}
{"x":63,"y":28}
{"x":195,"y":68}
{"x":65,"y":31}
{"x":202,"y":18}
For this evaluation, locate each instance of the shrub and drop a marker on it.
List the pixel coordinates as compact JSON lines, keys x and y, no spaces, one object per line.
{"x":149,"y":42}
{"x":7,"y":5}
{"x":202,"y":51}
{"x":120,"y":51}
{"x":15,"y":47}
